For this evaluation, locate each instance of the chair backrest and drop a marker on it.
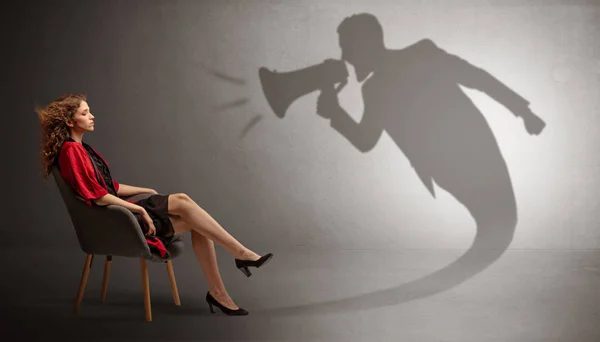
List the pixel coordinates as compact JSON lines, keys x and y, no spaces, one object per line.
{"x":76,"y":206}
{"x":110,"y":230}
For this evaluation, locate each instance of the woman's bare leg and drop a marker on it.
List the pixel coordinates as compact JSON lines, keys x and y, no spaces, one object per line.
{"x":205,"y":253}
{"x":200,"y":221}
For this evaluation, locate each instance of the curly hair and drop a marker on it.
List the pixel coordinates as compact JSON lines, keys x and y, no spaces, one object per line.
{"x":53,"y":121}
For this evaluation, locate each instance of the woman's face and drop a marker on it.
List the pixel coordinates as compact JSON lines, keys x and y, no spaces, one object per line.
{"x":83,"y":120}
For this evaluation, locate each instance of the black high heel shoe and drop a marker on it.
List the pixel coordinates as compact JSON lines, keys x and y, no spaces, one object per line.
{"x":212,"y":301}
{"x":243,"y":265}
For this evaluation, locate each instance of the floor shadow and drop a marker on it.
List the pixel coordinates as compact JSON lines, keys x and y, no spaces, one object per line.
{"x":414,"y":94}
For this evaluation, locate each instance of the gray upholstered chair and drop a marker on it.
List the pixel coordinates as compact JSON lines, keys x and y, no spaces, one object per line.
{"x":113,"y":231}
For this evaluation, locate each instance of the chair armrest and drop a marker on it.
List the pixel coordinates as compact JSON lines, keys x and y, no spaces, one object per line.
{"x":110,"y":230}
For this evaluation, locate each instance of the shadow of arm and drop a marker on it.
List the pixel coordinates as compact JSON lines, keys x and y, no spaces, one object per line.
{"x":363,"y":135}
{"x":474,"y":77}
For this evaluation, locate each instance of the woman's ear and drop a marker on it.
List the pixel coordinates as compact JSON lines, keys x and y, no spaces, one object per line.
{"x":69,"y":123}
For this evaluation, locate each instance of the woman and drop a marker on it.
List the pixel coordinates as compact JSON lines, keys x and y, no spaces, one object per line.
{"x":63,"y":123}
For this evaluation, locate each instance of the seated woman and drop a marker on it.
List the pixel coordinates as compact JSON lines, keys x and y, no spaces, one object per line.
{"x":63,"y":123}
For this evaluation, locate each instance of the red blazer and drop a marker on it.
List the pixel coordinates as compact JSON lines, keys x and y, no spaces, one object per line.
{"x":77,"y":170}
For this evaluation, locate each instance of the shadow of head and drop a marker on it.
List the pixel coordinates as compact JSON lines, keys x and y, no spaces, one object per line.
{"x":361,"y":42}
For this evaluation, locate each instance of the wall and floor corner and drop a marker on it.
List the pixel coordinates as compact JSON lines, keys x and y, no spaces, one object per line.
{"x":366,"y":246}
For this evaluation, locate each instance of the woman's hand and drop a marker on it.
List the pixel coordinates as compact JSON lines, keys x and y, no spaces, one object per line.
{"x":148,"y":221}
{"x":151,"y":191}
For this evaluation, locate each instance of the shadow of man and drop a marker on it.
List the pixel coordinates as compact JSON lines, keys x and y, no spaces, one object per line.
{"x":414,"y":95}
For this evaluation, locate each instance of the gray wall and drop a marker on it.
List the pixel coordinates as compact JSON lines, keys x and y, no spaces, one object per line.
{"x":179,"y":107}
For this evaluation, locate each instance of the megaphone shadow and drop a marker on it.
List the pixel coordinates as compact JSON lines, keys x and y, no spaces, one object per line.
{"x":414,"y":95}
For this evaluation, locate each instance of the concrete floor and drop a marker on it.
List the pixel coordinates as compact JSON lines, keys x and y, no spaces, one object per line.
{"x":344,"y":295}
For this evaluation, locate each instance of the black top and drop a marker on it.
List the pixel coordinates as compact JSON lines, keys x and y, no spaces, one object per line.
{"x":100,"y":166}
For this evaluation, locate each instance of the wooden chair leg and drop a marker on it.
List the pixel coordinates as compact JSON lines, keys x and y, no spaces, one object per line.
{"x":83,"y":282}
{"x":105,"y":277}
{"x":146,"y":284}
{"x":173,"y":283}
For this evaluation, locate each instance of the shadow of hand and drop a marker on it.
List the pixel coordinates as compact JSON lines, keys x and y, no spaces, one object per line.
{"x":533,"y":123}
{"x":328,"y":103}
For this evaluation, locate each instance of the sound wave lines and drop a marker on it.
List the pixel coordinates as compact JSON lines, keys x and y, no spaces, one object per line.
{"x":234,"y":103}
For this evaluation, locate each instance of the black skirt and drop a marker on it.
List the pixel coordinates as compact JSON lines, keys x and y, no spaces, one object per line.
{"x":157,"y":207}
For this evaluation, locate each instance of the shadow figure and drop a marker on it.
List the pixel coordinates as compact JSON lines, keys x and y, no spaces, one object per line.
{"x":414,"y":95}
